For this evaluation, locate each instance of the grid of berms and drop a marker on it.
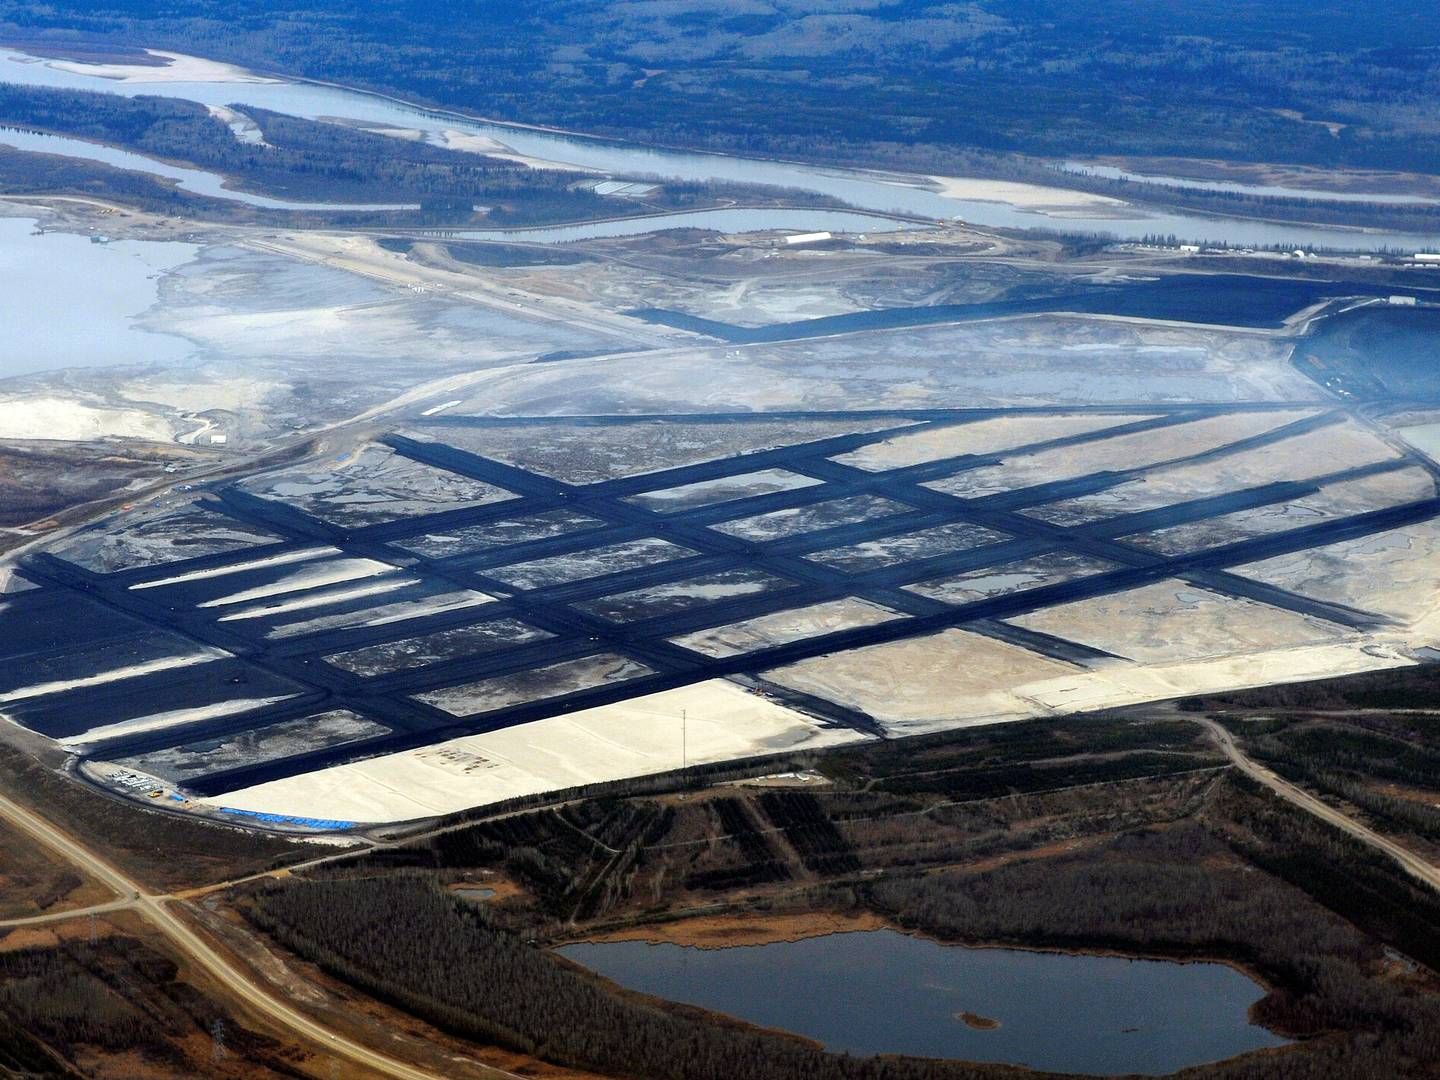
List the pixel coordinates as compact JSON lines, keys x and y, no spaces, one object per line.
{"x":526,"y":595}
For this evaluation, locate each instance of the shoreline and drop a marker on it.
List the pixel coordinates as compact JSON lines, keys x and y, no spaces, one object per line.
{"x":729,"y":930}
{"x":740,"y":929}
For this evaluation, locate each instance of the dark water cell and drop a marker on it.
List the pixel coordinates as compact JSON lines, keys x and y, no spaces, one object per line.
{"x":669,"y":598}
{"x":43,"y":621}
{"x":79,"y":660}
{"x":1378,"y":353}
{"x":1222,"y":299}
{"x":268,"y":742}
{"x":72,"y":713}
{"x":501,"y":532}
{"x":885,"y":992}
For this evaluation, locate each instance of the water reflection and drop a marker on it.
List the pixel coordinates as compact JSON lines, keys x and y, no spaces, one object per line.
{"x":867,"y":191}
{"x":885,"y":992}
{"x":44,"y":327}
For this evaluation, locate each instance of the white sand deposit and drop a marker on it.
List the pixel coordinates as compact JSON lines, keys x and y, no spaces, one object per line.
{"x":330,"y":572}
{"x":385,"y":614}
{"x":180,"y":69}
{"x":73,"y":421}
{"x":303,"y":555}
{"x":631,"y":738}
{"x":133,"y":671}
{"x":319,"y":598}
{"x":979,"y":437}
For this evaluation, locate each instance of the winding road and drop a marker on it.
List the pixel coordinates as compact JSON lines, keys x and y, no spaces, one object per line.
{"x":1413,"y":864}
{"x":156,"y":911}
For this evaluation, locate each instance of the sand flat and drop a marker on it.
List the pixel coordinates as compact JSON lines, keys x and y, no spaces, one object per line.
{"x":786,"y":626}
{"x":1331,"y":501}
{"x":721,"y":489}
{"x":1330,"y":449}
{"x":1040,"y":198}
{"x":1172,"y":621}
{"x":1394,"y":573}
{"x":1131,"y":684}
{"x":930,"y":683}
{"x":1122,"y":452}
{"x":534,"y":684}
{"x":630,"y":738}
{"x":979,"y":437}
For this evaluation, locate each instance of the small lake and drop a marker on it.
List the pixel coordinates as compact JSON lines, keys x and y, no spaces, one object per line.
{"x":43,"y":328}
{"x":884,"y":992}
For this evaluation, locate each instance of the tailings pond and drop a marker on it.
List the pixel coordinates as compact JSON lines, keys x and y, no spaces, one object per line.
{"x":1215,"y":299}
{"x":41,"y":325}
{"x":1377,"y":353}
{"x":885,"y":193}
{"x":884,"y":992}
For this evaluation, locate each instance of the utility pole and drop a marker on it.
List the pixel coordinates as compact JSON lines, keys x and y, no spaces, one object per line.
{"x":684,"y":749}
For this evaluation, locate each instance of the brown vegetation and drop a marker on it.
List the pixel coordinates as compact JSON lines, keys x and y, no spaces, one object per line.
{"x":165,"y":851}
{"x":34,"y":882}
{"x":954,"y":837}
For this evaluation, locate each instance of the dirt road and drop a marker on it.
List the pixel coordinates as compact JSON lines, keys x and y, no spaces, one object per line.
{"x":1410,"y":862}
{"x":156,"y":910}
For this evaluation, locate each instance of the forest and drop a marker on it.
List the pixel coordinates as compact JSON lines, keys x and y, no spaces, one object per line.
{"x":301,"y":159}
{"x":1121,"y":831}
{"x":905,"y":81}
{"x":1017,"y":835}
{"x":1415,"y":687}
{"x":1366,"y":742}
{"x":305,"y":160}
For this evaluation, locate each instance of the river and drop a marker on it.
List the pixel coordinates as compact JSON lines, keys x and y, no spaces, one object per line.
{"x":1277,"y":191}
{"x":882,"y":193}
{"x":195,"y":181}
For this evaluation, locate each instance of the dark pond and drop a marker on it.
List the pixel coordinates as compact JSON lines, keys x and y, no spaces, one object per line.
{"x":1222,"y":299}
{"x":886,"y":992}
{"x":1377,"y":354}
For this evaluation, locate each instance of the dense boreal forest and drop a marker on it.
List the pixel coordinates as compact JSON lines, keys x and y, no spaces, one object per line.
{"x":1340,"y":737}
{"x":1328,"y":82}
{"x":304,"y":161}
{"x":301,"y":159}
{"x":1229,"y":873}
